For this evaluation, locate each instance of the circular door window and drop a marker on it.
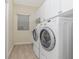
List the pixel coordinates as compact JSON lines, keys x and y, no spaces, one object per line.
{"x":35,"y":35}
{"x":47,"y":39}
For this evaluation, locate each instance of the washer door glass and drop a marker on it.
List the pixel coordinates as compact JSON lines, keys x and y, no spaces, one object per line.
{"x":47,"y":39}
{"x":35,"y":35}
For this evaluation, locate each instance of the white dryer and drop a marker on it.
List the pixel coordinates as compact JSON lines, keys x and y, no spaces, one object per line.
{"x":35,"y":36}
{"x":36,"y":40}
{"x":56,"y":39}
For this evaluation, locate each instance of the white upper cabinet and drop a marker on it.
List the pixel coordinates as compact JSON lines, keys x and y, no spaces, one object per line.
{"x":52,"y":8}
{"x":49,"y":9}
{"x":66,"y":5}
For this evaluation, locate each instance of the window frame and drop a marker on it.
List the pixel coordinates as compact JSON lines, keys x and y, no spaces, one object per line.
{"x":27,"y":26}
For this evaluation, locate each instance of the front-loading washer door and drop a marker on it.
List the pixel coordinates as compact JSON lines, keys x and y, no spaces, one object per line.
{"x":47,"y":38}
{"x":35,"y":35}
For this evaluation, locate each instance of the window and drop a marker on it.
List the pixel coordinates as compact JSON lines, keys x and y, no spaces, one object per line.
{"x":23,"y":22}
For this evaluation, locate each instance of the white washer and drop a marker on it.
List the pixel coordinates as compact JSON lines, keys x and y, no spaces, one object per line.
{"x":56,"y":39}
{"x":36,"y":40}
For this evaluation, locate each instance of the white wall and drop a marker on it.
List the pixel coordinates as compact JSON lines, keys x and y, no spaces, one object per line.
{"x":13,"y":36}
{"x":9,"y":27}
{"x":23,"y":37}
{"x":6,"y":31}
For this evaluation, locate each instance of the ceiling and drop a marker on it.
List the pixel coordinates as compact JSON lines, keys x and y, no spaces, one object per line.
{"x":33,"y":3}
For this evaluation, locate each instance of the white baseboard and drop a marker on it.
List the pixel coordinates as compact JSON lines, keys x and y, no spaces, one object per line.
{"x":21,"y":43}
{"x":10,"y":50}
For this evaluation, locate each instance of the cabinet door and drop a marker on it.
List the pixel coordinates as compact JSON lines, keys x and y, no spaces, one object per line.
{"x":66,"y":5}
{"x":51,"y":8}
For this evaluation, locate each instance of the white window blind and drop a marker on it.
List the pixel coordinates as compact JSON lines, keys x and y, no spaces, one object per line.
{"x":23,"y":22}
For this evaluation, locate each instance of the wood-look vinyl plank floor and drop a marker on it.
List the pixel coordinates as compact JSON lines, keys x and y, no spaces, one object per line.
{"x":22,"y":52}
